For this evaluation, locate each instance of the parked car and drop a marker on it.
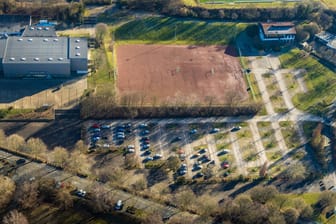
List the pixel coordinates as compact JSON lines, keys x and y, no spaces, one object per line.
{"x":145,"y":132}
{"x":146,"y":153}
{"x":223,"y":152}
{"x":193,"y":131}
{"x":225,"y":164}
{"x":157,"y":156}
{"x":143,"y":125}
{"x":145,"y":146}
{"x":119,"y":205}
{"x":198,"y":175}
{"x":130,"y":150}
{"x":81,"y":193}
{"x":105,"y":126}
{"x":147,"y":159}
{"x":214,"y":130}
{"x":146,"y":138}
{"x":20,"y":161}
{"x":236,"y":128}
{"x":130,"y":147}
{"x":176,"y":139}
{"x":203,"y":150}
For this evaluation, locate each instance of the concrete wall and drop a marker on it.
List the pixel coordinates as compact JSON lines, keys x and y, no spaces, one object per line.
{"x":16,"y":70}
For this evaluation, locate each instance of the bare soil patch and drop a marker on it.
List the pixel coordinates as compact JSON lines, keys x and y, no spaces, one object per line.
{"x":177,"y":74}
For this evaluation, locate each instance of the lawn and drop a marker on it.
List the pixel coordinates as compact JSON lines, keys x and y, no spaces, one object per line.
{"x":290,"y":134}
{"x":330,"y":3}
{"x":167,"y":30}
{"x":320,"y":81}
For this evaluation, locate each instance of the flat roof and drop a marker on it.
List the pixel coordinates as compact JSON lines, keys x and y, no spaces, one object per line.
{"x":39,"y":31}
{"x":78,"y":47}
{"x":278,"y":28}
{"x":329,"y":38}
{"x":36,"y":50}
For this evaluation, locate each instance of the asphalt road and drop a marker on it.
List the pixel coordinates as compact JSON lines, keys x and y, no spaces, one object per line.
{"x":39,"y":170}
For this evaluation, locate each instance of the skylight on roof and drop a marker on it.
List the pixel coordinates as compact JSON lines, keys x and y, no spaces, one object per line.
{"x":12,"y":59}
{"x":77,"y":41}
{"x":23,"y":59}
{"x":36,"y":59}
{"x":45,"y":40}
{"x":30,"y":39}
{"x":77,"y":54}
{"x":60,"y":59}
{"x":77,"y":47}
{"x":50,"y":59}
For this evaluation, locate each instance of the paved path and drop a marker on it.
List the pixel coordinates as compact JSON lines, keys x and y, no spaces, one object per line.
{"x":236,"y":152}
{"x":212,"y":149}
{"x":257,"y":141}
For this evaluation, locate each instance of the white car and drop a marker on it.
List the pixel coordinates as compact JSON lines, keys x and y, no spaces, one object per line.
{"x":81,"y":193}
{"x":130,"y":147}
{"x":130,"y":150}
{"x":119,"y":205}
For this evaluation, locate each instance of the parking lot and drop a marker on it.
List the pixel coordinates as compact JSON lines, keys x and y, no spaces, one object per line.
{"x":199,"y":147}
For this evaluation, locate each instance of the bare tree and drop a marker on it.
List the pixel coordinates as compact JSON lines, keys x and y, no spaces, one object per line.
{"x":36,"y":147}
{"x":185,"y":199}
{"x":59,"y":156}
{"x":15,"y":217}
{"x":78,"y":163}
{"x":15,"y":142}
{"x":7,"y":188}
{"x":64,"y":199}
{"x":80,"y":147}
{"x":263,"y":170}
{"x":3,"y":138}
{"x":153,"y":218}
{"x":27,"y":195}
{"x":101,"y":31}
{"x":101,"y":200}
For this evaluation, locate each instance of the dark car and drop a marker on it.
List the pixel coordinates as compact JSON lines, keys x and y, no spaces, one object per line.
{"x":20,"y":161}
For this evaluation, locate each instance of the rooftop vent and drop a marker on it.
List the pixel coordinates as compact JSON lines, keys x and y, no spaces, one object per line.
{"x":36,"y":59}
{"x":50,"y":59}
{"x":60,"y":59}
{"x":55,"y":40}
{"x":30,"y":40}
{"x":39,"y":28}
{"x":23,"y":59}
{"x":77,"y":54}
{"x":77,"y":47}
{"x":47,"y":28}
{"x":77,"y":41}
{"x":12,"y":59}
{"x":45,"y":40}
{"x":20,"y":39}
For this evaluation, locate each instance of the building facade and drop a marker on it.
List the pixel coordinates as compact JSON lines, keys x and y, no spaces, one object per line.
{"x":277,"y":33}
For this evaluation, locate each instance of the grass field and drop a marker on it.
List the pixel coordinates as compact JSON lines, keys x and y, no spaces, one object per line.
{"x":330,"y":3}
{"x":320,"y":81}
{"x":166,"y":30}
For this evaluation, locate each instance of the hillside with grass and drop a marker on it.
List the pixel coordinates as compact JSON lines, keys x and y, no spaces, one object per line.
{"x":320,"y":81}
{"x":167,"y":30}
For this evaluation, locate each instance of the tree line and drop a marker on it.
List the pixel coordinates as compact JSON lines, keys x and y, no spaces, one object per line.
{"x":300,"y":11}
{"x":67,"y":13}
